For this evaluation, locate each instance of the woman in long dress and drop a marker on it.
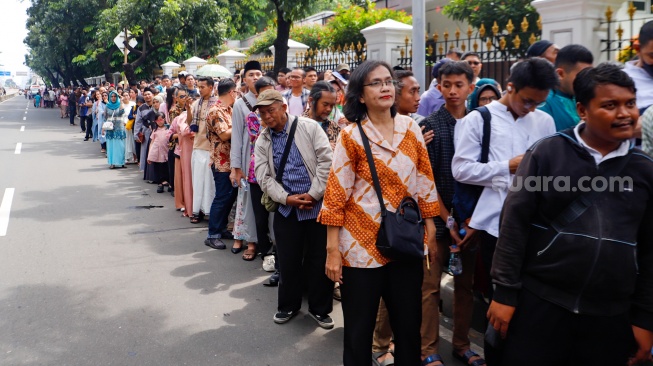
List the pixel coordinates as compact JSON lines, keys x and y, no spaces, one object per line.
{"x":114,"y":113}
{"x":186,"y":138}
{"x":128,"y":117}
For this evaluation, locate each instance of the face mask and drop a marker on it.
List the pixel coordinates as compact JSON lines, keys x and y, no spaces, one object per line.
{"x":648,"y":68}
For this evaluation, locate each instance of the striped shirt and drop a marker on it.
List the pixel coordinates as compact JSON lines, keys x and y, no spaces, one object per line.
{"x":350,"y":200}
{"x":295,"y":178}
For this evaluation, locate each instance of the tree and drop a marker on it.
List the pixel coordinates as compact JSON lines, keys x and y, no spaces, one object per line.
{"x":345,"y":27}
{"x":486,"y":12}
{"x":159,"y":24}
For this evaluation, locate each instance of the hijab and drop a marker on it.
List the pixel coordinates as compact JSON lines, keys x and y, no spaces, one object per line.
{"x":116,"y":104}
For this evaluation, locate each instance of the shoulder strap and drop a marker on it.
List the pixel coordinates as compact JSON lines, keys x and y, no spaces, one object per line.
{"x":286,"y":150}
{"x":487,"y":128}
{"x":370,"y":162}
{"x":579,"y":205}
{"x":251,"y":109}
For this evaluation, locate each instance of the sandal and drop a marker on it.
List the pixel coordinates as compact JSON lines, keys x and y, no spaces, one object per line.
{"x":467,"y":356}
{"x":195,"y":219}
{"x":249,"y":255}
{"x":386,"y":362}
{"x":432,"y":358}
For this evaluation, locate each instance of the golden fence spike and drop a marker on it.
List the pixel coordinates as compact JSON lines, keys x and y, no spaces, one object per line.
{"x":441,"y":49}
{"x":470,"y":31}
{"x":411,"y":53}
{"x":517,"y":41}
{"x":620,"y":32}
{"x":359,"y":46}
{"x":488,"y":44}
{"x":457,"y":34}
{"x":463,"y":47}
{"x":402,"y":52}
{"x":510,"y":27}
{"x":502,"y":43}
{"x":532,"y":39}
{"x":495,"y":28}
{"x":608,"y":14}
{"x":481,"y":31}
{"x":429,"y":50}
{"x":524,"y":25}
{"x":435,"y":36}
{"x":631,"y":10}
{"x":539,"y":23}
{"x":407,"y":40}
{"x":446,"y":35}
{"x":475,"y":46}
{"x":339,"y":49}
{"x":426,"y":37}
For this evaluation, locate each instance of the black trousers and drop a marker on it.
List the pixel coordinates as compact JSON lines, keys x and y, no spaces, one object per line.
{"x":171,"y":168}
{"x":301,"y":253}
{"x":87,"y":123}
{"x":161,"y":172}
{"x":399,"y":283}
{"x":261,"y":216}
{"x":543,"y":334}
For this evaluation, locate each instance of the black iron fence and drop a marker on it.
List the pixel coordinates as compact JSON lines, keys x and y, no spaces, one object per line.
{"x":329,"y":58}
{"x":614,"y":45}
{"x":498,"y":48}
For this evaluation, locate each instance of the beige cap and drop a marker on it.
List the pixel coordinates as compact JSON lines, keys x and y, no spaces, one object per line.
{"x":342,"y":67}
{"x":268,"y":97}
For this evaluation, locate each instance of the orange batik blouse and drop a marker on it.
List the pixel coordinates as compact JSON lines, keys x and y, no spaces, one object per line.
{"x":350,"y":201}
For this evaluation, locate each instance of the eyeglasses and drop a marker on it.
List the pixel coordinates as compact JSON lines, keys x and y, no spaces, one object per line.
{"x":183,"y":96}
{"x":530,"y":103}
{"x":474,"y":63}
{"x":379,"y":84}
{"x":487,"y":99}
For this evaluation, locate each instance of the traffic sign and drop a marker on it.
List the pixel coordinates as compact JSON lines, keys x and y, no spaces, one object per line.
{"x":120,"y":41}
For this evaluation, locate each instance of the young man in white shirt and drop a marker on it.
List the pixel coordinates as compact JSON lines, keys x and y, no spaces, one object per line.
{"x":297,"y":96}
{"x":516,"y":124}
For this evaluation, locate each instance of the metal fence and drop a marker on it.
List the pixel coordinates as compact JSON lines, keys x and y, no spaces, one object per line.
{"x":498,"y":48}
{"x":267,"y":63}
{"x":618,"y":48}
{"x":330,"y":58}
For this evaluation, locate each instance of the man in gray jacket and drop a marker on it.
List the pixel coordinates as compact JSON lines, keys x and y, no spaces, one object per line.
{"x":300,"y":150}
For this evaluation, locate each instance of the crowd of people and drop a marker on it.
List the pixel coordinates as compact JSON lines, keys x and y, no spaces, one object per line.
{"x":313,"y":164}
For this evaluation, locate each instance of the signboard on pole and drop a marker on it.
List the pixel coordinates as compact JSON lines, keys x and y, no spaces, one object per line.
{"x":120,"y":41}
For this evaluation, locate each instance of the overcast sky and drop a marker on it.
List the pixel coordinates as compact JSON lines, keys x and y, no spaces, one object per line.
{"x":12,"y":48}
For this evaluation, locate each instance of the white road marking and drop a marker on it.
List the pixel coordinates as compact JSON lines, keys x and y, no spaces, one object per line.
{"x":25,"y":112}
{"x":24,"y":118}
{"x":5,"y":210}
{"x":18,"y":147}
{"x":22,"y":128}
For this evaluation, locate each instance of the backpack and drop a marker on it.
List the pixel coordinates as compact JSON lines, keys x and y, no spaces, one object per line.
{"x":466,"y":195}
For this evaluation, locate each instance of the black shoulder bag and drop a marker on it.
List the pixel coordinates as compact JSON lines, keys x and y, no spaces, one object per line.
{"x":266,"y":201}
{"x":401,"y":234}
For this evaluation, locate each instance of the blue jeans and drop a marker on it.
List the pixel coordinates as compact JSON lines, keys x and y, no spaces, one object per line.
{"x":225,"y":196}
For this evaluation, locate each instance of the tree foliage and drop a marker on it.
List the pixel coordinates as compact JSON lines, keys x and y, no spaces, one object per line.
{"x":486,"y":12}
{"x":74,"y":38}
{"x":345,"y":27}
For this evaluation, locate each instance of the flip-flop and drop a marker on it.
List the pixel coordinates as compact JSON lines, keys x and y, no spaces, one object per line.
{"x":387,"y":362}
{"x":465,"y":357}
{"x":432,"y":358}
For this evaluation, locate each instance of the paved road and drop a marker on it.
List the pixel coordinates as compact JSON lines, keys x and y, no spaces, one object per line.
{"x":88,"y":277}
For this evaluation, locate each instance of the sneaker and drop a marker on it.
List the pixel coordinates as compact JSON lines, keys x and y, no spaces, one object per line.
{"x":324,"y":322}
{"x":268,"y":263}
{"x":215,"y":244}
{"x":284,"y":316}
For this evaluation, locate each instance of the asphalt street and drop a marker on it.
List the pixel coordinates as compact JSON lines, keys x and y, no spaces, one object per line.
{"x":96,"y":268}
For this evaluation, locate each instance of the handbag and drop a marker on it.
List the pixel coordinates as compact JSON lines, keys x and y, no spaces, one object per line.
{"x":401,"y":233}
{"x":107,"y":126}
{"x":269,"y":204}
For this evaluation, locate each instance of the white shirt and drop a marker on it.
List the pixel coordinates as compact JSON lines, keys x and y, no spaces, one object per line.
{"x":508,"y":138}
{"x":643,"y":83}
{"x":622,"y":150}
{"x":295,"y":106}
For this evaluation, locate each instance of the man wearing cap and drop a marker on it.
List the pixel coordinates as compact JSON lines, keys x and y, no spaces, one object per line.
{"x":543,"y":49}
{"x":432,"y":100}
{"x":301,"y":240}
{"x":344,"y":70}
{"x":256,"y":216}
